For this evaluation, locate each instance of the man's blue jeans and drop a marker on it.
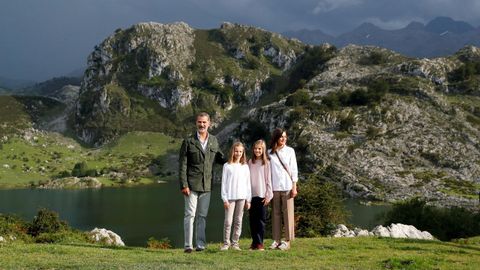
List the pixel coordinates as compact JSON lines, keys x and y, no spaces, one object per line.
{"x":196,"y":210}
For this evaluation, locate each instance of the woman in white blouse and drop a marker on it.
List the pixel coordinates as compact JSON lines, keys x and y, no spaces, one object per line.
{"x":284,"y":169}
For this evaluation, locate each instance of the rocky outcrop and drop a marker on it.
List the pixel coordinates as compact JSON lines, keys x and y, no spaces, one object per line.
{"x":394,"y":231}
{"x":106,"y":237}
{"x":71,"y":183}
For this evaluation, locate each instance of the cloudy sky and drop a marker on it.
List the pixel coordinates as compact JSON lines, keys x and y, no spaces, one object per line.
{"x":40,"y":39}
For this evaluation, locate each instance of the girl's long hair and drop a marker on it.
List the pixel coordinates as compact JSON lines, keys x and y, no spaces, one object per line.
{"x":264,"y":156}
{"x":243,"y":158}
{"x":276,"y":135}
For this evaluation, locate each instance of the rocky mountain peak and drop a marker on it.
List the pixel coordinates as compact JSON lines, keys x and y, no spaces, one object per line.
{"x":178,"y":68}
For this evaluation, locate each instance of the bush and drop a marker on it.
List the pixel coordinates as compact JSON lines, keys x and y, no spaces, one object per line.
{"x":64,"y":174}
{"x":80,"y":169}
{"x":347,"y":122}
{"x":163,"y":243}
{"x":12,"y":225}
{"x":318,"y":207}
{"x":374,"y":93}
{"x":310,"y":64}
{"x":46,"y":221}
{"x":443,"y":223}
{"x":252,"y":132}
{"x":299,"y":98}
{"x":375,"y":58}
{"x":372,"y":132}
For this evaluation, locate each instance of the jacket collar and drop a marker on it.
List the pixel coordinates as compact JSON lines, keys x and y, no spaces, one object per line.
{"x":197,"y":143}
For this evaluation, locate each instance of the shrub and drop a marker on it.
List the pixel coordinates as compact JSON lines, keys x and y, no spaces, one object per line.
{"x":64,"y":174}
{"x":46,"y":221}
{"x":254,"y":131}
{"x":311,"y":63}
{"x":163,"y":243}
{"x":375,"y":58}
{"x":12,"y":225}
{"x":374,"y":93}
{"x":347,"y":122}
{"x":318,"y":207}
{"x":80,"y":169}
{"x":358,"y":97}
{"x":443,"y":223}
{"x":299,"y":98}
{"x":372,"y":132}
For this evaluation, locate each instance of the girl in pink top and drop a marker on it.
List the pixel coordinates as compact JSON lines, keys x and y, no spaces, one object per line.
{"x":260,"y":177}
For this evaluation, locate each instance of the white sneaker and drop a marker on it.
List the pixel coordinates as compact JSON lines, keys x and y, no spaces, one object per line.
{"x":284,"y":246}
{"x":224,"y":247}
{"x":236,"y":247}
{"x":274,"y":245}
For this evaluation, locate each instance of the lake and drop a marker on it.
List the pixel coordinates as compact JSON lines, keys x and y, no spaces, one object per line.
{"x":137,"y":213}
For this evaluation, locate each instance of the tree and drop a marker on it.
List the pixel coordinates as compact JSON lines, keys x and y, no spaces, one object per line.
{"x":318,"y":207}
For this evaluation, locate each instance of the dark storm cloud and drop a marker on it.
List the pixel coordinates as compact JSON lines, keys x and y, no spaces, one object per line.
{"x":45,"y":38}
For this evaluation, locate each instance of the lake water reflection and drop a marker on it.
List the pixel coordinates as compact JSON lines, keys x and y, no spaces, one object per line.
{"x":134,"y":213}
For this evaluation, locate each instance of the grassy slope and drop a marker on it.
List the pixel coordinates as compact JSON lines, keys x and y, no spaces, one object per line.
{"x":313,"y":253}
{"x":48,"y":154}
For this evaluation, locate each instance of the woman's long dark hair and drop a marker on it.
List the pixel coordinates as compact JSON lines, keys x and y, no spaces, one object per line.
{"x":276,"y":135}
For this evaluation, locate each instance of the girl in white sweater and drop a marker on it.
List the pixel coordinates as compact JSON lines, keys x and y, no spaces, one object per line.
{"x":236,"y":194}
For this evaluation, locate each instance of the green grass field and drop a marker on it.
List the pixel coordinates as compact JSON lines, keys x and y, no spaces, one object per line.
{"x":306,"y":253}
{"x":43,"y":156}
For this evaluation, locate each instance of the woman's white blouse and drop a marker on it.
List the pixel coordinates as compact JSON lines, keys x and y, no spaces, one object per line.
{"x":236,"y":182}
{"x":280,"y":179}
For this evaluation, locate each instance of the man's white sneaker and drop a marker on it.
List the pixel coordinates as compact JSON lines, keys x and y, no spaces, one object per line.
{"x":236,"y":247}
{"x":224,"y":247}
{"x":274,"y":245}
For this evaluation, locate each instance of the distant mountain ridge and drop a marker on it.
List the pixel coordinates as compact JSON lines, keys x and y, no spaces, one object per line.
{"x":439,"y":37}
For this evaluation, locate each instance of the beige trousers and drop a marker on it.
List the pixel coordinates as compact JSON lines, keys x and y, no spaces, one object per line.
{"x":283,"y":211}
{"x":234,"y":214}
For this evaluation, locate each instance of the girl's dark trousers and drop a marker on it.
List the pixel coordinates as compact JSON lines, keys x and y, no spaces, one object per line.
{"x":258,"y":216}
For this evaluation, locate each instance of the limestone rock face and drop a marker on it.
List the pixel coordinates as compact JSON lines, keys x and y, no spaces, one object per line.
{"x":107,"y":237}
{"x":420,"y":140}
{"x":181,"y":70}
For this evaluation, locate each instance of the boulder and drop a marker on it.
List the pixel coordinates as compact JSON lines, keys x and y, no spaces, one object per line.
{"x":106,"y":237}
{"x":394,"y":230}
{"x":408,"y":231}
{"x":381,"y":231}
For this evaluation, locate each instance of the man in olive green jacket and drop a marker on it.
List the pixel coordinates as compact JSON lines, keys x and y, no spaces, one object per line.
{"x":197,"y":155}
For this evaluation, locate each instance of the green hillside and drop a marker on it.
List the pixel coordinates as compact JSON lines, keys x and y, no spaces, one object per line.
{"x":13,"y":116}
{"x":306,"y":253}
{"x":39,"y":157}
